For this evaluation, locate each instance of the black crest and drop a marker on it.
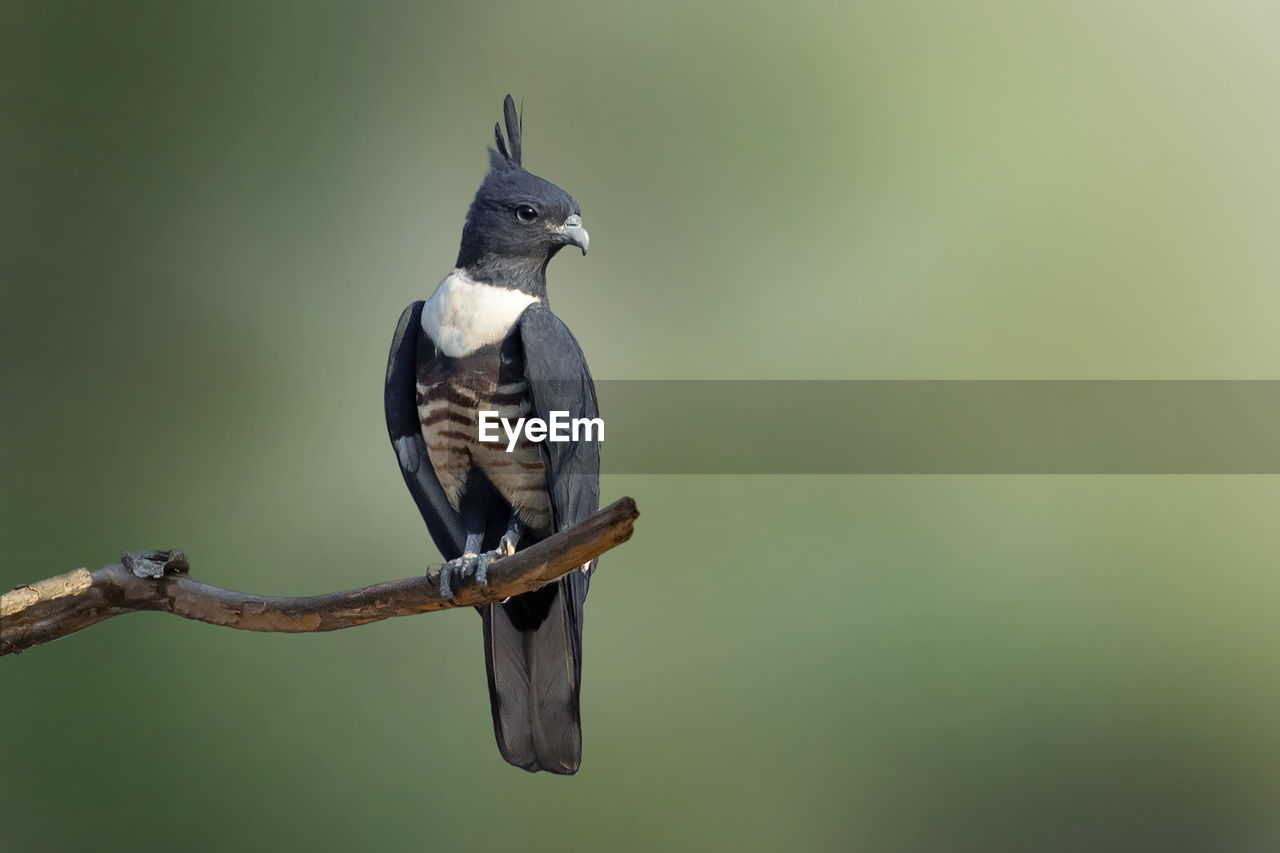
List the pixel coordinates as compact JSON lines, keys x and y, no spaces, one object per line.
{"x":514,"y":123}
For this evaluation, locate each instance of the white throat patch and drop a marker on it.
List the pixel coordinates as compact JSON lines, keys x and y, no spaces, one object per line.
{"x":464,"y":315}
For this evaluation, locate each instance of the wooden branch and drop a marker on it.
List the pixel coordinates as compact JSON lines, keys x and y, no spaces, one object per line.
{"x":158,"y":581}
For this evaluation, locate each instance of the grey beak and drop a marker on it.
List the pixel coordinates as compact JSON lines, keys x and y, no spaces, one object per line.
{"x":573,"y":234}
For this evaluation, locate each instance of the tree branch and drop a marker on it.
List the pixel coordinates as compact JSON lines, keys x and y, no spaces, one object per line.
{"x":158,"y":581}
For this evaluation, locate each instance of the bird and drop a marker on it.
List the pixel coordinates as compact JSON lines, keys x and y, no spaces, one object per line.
{"x":487,"y":340}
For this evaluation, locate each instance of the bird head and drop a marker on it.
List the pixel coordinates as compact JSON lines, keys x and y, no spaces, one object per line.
{"x":517,"y":221}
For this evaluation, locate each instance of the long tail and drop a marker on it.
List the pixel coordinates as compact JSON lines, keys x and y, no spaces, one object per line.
{"x":533,"y":653}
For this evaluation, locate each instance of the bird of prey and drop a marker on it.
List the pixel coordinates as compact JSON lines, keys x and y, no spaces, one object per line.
{"x":486,"y":340}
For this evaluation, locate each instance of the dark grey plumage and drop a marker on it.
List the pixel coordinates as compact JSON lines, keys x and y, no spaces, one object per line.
{"x":533,"y":643}
{"x":443,"y":521}
{"x":497,"y":247}
{"x":515,"y":129}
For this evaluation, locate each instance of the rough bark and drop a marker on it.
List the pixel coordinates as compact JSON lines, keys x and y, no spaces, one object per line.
{"x":159,"y":581}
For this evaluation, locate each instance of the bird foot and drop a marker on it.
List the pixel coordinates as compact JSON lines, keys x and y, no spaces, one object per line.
{"x":471,"y":565}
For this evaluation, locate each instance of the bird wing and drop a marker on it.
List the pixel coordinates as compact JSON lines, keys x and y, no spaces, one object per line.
{"x":533,"y":642}
{"x":405,"y":429}
{"x":559,"y":381}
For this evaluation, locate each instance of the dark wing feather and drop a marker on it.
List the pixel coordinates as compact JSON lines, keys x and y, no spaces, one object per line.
{"x":401,"y":402}
{"x":533,"y":643}
{"x":559,"y":380}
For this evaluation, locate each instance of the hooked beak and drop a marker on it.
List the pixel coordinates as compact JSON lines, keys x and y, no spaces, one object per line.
{"x":573,"y":234}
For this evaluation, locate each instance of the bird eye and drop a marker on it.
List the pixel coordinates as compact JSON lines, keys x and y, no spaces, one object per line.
{"x":526,"y":214}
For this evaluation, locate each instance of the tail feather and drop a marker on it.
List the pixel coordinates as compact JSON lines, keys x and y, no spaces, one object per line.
{"x":533,"y":653}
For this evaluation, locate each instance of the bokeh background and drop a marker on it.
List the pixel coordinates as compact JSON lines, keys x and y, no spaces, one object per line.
{"x":213,"y":214}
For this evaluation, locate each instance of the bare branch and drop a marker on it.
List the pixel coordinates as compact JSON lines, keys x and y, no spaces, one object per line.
{"x":158,"y":581}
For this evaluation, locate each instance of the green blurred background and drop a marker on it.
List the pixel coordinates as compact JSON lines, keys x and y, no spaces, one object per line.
{"x":213,"y":214}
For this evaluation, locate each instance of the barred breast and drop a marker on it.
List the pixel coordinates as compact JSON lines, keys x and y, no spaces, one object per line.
{"x":449,"y":403}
